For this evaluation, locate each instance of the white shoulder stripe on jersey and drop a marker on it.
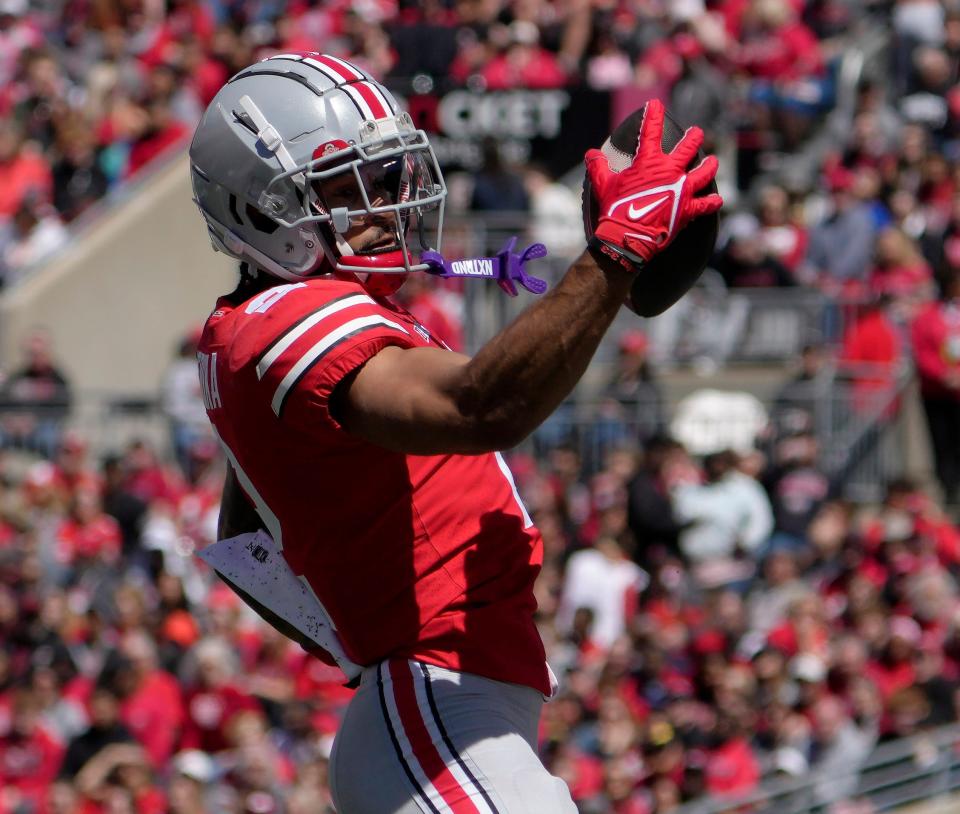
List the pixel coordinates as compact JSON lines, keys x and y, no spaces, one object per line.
{"x":527,"y":520}
{"x":265,"y":512}
{"x":320,"y":348}
{"x":298,"y":330}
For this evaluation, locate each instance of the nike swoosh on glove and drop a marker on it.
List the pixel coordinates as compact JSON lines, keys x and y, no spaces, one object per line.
{"x":643,"y":207}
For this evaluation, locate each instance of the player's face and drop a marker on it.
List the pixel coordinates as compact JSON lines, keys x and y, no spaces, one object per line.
{"x":382,"y":182}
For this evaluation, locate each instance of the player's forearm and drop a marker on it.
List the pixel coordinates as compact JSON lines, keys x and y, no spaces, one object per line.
{"x":521,"y":375}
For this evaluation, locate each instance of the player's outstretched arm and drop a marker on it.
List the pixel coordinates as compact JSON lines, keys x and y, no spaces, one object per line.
{"x":429,"y":401}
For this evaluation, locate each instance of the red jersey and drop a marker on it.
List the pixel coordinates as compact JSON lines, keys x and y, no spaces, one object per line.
{"x":428,"y":557}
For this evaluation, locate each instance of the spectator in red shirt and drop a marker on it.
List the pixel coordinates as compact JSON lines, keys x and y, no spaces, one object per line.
{"x":213,"y":699}
{"x":935,"y":333}
{"x":869,"y":356}
{"x":732,"y":767}
{"x":88,"y":536}
{"x":23,"y":171}
{"x":29,"y":756}
{"x":524,"y":63}
{"x":152,"y":706}
{"x":775,"y":45}
{"x":782,"y":237}
{"x":163,"y":132}
{"x":901,"y":273}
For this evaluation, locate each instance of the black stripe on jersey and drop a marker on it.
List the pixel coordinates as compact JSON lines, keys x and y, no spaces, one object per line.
{"x":396,"y":744}
{"x":449,"y":743}
{"x":302,"y":319}
{"x":336,"y":344}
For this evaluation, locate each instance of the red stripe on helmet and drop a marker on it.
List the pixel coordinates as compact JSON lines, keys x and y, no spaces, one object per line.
{"x":372,"y":99}
{"x":339,"y":67}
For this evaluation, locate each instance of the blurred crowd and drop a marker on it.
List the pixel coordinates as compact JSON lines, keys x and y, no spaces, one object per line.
{"x":716,"y":622}
{"x":91,"y":91}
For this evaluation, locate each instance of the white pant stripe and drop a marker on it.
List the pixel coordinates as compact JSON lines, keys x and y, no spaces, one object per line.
{"x":407,"y":749}
{"x":419,"y":685}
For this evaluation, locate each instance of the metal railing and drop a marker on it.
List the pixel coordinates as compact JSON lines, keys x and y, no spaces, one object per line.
{"x":856,"y":425}
{"x":922,"y":767}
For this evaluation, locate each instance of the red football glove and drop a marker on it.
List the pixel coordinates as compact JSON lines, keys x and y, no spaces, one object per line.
{"x":643,"y":207}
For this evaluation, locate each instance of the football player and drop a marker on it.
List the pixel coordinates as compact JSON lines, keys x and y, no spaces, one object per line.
{"x":368,"y":450}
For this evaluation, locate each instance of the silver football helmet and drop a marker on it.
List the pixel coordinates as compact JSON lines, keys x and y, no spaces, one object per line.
{"x":300,"y":155}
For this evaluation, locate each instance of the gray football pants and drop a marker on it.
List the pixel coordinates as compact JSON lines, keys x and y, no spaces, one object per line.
{"x":419,"y":739}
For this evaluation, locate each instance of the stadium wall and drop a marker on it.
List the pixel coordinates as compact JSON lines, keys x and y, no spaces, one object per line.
{"x":119,"y":299}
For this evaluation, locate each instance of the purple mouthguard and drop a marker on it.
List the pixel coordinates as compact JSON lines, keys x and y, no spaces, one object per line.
{"x":506,"y":267}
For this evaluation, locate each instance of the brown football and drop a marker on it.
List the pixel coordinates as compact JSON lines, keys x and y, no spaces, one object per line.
{"x":673,"y":271}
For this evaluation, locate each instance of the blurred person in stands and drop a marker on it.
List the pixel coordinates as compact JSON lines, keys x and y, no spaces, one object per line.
{"x":869,"y":356}
{"x":901,"y":273}
{"x":604,"y":579}
{"x":71,"y":468}
{"x":729,"y":519}
{"x":123,"y":506}
{"x":941,"y":247}
{"x":88,"y":539}
{"x":633,"y":386}
{"x":182,"y":401}
{"x":495,"y":187}
{"x":745,"y":261}
{"x":523,"y":62}
{"x":37,"y":398}
{"x":783,"y":61}
{"x":162,"y":132}
{"x":147,"y":477}
{"x":192,"y":773}
{"x":925,"y":102}
{"x":24,"y":171}
{"x":105,"y":728}
{"x":29,"y":755}
{"x":120,"y":776}
{"x":797,"y":487}
{"x":841,"y":246}
{"x":40,"y":96}
{"x":152,"y":706}
{"x":630,"y":408}
{"x":35,"y":234}
{"x":780,"y":586}
{"x":935,"y":335}
{"x":795,"y":403}
{"x":556,"y":212}
{"x":650,"y":512}
{"x":608,"y":64}
{"x":780,"y":233}
{"x":213,"y":697}
{"x":19,"y":31}
{"x":78,"y":179}
{"x":840,"y":747}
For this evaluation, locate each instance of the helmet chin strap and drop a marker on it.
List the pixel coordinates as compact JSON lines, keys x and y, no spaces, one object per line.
{"x":380,"y":274}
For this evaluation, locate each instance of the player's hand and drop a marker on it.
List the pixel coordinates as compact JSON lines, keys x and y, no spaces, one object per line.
{"x":643,"y":207}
